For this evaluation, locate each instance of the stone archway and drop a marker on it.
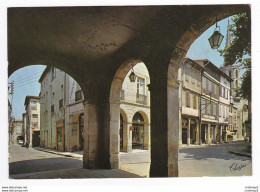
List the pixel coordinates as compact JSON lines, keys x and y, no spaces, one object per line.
{"x":92,"y":49}
{"x":126,"y":134}
{"x":115,"y":101}
{"x":141,"y":118}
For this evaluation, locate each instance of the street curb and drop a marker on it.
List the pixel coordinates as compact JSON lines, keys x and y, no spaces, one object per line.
{"x":56,"y":153}
{"x":240,"y":154}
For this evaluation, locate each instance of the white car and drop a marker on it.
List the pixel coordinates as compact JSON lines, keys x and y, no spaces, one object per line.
{"x":20,"y":142}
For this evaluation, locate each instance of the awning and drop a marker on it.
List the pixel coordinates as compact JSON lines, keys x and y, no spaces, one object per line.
{"x":229,"y":133}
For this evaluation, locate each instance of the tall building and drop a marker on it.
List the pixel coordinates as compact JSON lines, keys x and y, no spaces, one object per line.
{"x":190,"y":87}
{"x":205,"y":101}
{"x":32,"y":132}
{"x":62,"y":111}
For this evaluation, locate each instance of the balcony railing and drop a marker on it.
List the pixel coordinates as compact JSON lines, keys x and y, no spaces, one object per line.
{"x":141,"y":99}
{"x":122,"y":94}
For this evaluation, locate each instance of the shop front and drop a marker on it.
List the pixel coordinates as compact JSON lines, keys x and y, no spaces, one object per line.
{"x":60,"y":135}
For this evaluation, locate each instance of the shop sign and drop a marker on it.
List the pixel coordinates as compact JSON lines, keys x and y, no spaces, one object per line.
{"x":131,"y":128}
{"x":76,"y":109}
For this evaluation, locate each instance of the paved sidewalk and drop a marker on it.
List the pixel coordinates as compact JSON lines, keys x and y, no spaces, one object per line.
{"x":76,"y":154}
{"x":133,"y":164}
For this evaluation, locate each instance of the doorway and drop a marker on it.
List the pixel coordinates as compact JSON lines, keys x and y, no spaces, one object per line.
{"x":81,"y":131}
{"x":138,"y":132}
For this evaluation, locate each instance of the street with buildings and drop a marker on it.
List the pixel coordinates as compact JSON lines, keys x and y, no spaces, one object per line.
{"x":199,"y":161}
{"x":134,"y":121}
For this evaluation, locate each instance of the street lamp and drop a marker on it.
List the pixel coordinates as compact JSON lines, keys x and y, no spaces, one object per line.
{"x":132,"y":75}
{"x":216,"y":38}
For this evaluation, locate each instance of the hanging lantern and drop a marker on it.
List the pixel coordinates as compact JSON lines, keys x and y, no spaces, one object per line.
{"x":132,"y":75}
{"x":216,"y":38}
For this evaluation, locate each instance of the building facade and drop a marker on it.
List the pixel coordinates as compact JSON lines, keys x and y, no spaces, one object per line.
{"x":204,"y":102}
{"x":135,"y":111}
{"x":62,"y":111}
{"x":62,"y":114}
{"x":240,"y":104}
{"x":18,"y":131}
{"x":190,"y":88}
{"x":32,"y":132}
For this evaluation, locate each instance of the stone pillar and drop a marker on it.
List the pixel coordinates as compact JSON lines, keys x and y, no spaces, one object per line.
{"x":180,"y":130}
{"x":164,"y":128}
{"x":127,"y":140}
{"x":215,"y":134}
{"x":96,"y":138}
{"x":225,"y":138}
{"x":220,"y":134}
{"x":114,"y":134}
{"x":146,"y":136}
{"x":197,"y":133}
{"x":208,"y":134}
{"x":188,"y":132}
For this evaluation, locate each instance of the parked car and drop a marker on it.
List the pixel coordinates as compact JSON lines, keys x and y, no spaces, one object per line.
{"x":20,"y":140}
{"x":246,"y":139}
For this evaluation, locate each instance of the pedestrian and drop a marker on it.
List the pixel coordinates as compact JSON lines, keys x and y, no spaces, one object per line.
{"x":27,"y":144}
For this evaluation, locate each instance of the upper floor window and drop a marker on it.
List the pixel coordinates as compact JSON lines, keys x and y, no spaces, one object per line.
{"x":209,"y":85}
{"x":78,"y":95}
{"x":52,"y":108}
{"x":204,"y":85}
{"x":208,"y":108}
{"x":187,"y":73}
{"x":61,"y":103}
{"x":33,"y":104}
{"x":140,"y":86}
{"x":34,"y":117}
{"x":187,"y":99}
{"x":53,"y":73}
{"x":194,"y":101}
{"x":214,"y":109}
{"x":203,"y":106}
{"x":220,"y":111}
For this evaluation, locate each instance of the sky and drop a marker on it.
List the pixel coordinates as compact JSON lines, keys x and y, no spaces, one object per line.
{"x":26,"y":79}
{"x":25,"y":83}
